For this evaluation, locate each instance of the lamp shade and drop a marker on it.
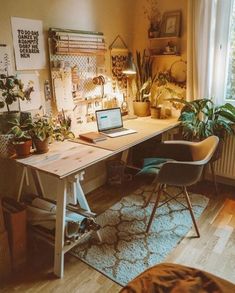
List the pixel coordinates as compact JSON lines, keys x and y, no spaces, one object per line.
{"x":129,"y":68}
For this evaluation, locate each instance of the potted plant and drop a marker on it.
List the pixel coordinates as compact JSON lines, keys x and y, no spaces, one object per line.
{"x":162,"y":89}
{"x":144,"y":82}
{"x":21,"y":137}
{"x":11,"y":90}
{"x":41,"y":132}
{"x":62,"y":130}
{"x":202,"y":118}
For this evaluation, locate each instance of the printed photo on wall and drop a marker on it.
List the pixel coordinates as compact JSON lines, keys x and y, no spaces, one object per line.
{"x":28,"y":43}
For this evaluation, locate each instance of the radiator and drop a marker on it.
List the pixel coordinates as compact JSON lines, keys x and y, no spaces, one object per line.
{"x":225,"y":166}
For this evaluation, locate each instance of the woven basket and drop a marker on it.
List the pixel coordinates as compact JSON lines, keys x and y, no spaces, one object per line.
{"x":7,"y":149}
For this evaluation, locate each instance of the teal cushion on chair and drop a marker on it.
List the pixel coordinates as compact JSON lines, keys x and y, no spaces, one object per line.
{"x":152,"y":166}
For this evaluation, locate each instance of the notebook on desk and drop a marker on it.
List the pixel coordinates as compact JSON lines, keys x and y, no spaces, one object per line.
{"x":109,"y":122}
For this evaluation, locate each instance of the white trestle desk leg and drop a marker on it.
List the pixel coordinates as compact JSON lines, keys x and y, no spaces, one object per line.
{"x":40,"y":183}
{"x":24,"y":175}
{"x":60,"y":228}
{"x":81,"y":198}
{"x":125,"y":155}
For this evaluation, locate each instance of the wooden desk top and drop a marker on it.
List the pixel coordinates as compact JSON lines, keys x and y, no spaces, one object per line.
{"x":66,"y":158}
{"x":146,"y":128}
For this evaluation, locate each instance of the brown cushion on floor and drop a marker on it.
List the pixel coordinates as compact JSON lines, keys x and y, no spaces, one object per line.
{"x":174,"y":278}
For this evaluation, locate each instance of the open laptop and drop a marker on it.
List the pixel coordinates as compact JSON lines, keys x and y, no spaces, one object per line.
{"x":109,"y":122}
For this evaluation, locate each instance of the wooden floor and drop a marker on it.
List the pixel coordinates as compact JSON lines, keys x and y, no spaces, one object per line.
{"x":213,"y":252}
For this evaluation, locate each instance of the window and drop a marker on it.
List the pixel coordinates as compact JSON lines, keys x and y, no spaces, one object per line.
{"x":230,"y":87}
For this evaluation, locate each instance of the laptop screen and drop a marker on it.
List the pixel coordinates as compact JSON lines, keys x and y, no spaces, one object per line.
{"x":109,"y":119}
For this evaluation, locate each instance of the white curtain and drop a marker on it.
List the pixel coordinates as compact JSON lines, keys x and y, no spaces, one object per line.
{"x":207,"y":35}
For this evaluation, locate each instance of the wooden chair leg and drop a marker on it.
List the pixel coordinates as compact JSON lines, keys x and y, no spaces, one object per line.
{"x":191,"y":211}
{"x":214,"y":178}
{"x":155,"y":207}
{"x":150,"y":196}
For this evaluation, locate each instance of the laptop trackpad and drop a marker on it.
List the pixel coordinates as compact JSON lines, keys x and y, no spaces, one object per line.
{"x":120,"y":133}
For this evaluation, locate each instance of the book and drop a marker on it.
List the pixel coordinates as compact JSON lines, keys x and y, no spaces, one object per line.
{"x":92,"y":136}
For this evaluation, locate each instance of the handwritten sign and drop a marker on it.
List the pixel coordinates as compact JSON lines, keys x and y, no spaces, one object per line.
{"x":28,"y":43}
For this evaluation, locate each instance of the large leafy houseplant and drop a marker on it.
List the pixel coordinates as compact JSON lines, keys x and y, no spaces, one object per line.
{"x":202,"y":118}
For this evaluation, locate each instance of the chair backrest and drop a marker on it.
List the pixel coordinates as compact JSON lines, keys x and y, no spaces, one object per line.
{"x":203,"y":151}
{"x":189,"y":172}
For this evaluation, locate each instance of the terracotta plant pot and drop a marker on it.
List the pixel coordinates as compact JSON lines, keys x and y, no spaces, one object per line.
{"x":41,"y":146}
{"x":23,"y":148}
{"x":141,"y":109}
{"x":155,"y":112}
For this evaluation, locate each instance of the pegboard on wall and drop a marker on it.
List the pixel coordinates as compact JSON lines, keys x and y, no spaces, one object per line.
{"x":76,"y":59}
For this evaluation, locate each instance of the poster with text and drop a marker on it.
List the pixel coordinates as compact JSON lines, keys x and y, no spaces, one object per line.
{"x":28,"y":43}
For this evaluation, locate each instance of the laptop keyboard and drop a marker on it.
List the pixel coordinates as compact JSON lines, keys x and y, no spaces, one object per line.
{"x":115,"y":130}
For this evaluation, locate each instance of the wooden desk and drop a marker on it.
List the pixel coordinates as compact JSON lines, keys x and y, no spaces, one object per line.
{"x":67,"y":161}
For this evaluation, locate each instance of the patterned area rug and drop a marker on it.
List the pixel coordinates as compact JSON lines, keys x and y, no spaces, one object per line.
{"x":126,"y":250}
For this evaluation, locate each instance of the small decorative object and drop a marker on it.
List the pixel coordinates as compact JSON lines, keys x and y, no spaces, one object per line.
{"x":118,"y":55}
{"x":178,"y":73}
{"x":171,"y":23}
{"x":21,"y":137}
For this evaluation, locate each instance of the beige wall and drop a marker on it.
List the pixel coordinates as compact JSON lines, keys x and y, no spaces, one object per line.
{"x":141,"y":25}
{"x":112,"y":17}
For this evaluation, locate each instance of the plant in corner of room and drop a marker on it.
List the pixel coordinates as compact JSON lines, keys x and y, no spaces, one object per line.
{"x":12,"y":90}
{"x":21,"y":136}
{"x":202,"y":118}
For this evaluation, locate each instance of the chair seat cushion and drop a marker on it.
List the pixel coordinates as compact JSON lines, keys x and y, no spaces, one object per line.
{"x":175,"y":278}
{"x":152,"y":166}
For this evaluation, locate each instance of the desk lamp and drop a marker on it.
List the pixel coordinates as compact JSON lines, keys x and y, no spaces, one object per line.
{"x":130,"y":70}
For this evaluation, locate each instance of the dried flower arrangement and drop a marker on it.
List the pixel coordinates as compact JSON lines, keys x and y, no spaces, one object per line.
{"x":154,"y":17}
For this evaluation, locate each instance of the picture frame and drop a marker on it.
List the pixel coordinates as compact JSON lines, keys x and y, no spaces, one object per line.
{"x":171,"y":24}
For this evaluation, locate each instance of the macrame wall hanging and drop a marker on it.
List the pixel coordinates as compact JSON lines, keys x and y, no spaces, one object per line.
{"x":118,"y":56}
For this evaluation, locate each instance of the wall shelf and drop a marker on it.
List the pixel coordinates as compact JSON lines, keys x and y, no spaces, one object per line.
{"x":158,"y":46}
{"x":164,"y":38}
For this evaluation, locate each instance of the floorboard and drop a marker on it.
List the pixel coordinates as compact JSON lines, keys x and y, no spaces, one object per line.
{"x":213,"y":251}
